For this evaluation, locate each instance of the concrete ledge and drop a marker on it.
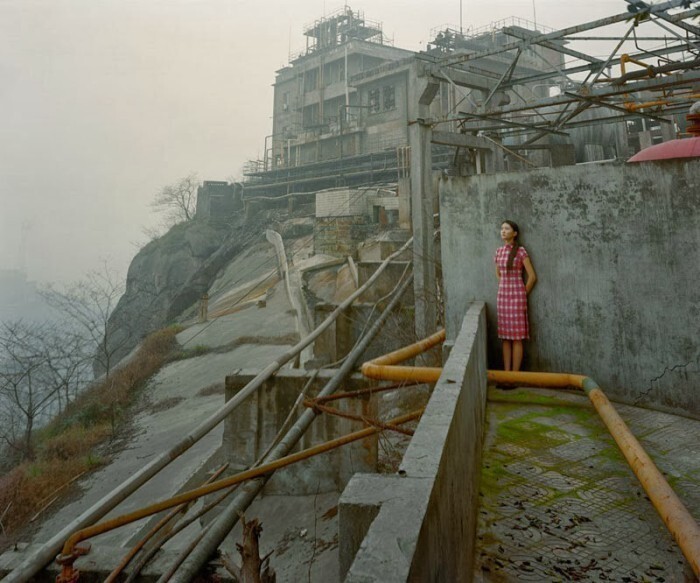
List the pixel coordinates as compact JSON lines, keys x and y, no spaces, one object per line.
{"x":420,"y":525}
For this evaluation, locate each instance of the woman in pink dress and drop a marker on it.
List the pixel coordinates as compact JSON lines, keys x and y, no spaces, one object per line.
{"x":511,"y":301}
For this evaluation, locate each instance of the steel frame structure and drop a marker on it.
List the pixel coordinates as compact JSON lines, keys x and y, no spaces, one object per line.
{"x":667,"y":81}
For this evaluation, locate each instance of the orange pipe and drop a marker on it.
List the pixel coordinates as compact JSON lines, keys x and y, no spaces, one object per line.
{"x":411,"y":350}
{"x":68,"y":555}
{"x":675,"y":515}
{"x":632,"y":106}
{"x":154,"y":530}
{"x":382,"y":368}
{"x":536,"y":379}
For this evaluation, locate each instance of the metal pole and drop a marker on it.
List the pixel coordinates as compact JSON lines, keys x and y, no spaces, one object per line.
{"x":48,"y":551}
{"x":534,"y":13}
{"x":227,"y":520}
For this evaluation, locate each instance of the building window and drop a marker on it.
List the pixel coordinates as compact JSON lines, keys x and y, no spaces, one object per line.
{"x":389,"y":98}
{"x":374,"y":103}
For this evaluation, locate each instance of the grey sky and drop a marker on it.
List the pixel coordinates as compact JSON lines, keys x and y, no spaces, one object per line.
{"x":104,"y":101}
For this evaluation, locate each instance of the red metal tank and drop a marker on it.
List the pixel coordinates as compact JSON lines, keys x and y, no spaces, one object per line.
{"x":673,"y":149}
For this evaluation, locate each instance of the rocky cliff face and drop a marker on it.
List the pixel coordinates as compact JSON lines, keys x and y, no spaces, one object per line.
{"x":170,"y":274}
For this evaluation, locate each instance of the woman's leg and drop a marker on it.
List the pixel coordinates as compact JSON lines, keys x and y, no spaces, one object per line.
{"x":507,"y":354}
{"x":517,"y":354}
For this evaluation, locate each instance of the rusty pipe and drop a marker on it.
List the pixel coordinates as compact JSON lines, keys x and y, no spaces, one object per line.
{"x":669,"y":506}
{"x":39,"y":558}
{"x":675,"y":515}
{"x":230,"y":515}
{"x":536,"y":379}
{"x":632,"y":106}
{"x":68,"y":573}
{"x":411,"y":350}
{"x":383,"y":367}
{"x":154,"y":530}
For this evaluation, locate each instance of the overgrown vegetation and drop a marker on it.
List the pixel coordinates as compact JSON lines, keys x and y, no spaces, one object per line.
{"x":66,"y":448}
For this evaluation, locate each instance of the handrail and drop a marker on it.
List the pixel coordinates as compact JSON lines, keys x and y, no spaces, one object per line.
{"x":71,"y":551}
{"x":47,"y":552}
{"x":230,"y":515}
{"x":676,"y":517}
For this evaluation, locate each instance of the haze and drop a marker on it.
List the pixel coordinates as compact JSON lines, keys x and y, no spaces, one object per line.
{"x":105,"y":101}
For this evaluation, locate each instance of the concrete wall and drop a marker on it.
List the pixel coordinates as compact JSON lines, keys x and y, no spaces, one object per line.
{"x":252,"y":427}
{"x":616,"y":249}
{"x":340,"y":236}
{"x":420,"y":525}
{"x":341,"y":202}
{"x":342,"y":335}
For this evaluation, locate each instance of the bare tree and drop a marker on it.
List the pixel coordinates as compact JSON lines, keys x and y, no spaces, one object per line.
{"x":88,"y":304}
{"x":67,"y":365}
{"x":20,"y":401}
{"x":178,"y":200}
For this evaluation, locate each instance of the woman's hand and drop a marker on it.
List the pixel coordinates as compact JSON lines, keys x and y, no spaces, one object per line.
{"x":531,"y":275}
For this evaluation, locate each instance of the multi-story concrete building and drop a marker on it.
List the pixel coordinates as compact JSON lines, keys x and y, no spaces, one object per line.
{"x":341,"y":107}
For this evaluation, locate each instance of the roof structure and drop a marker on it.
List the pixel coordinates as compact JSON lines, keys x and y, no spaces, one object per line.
{"x":658,"y":75}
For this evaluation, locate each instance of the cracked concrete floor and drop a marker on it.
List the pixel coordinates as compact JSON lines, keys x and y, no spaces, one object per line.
{"x":559,"y":502}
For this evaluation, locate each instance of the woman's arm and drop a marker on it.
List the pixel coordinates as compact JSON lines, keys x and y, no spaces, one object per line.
{"x":498,"y":273}
{"x":531,"y":275}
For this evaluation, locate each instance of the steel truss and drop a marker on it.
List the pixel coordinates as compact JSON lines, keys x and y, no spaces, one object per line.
{"x":663,"y":81}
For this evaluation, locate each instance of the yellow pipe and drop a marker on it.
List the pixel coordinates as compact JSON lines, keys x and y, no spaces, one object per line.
{"x":675,"y":515}
{"x":383,"y":372}
{"x":151,"y":533}
{"x":68,"y":556}
{"x":411,"y":350}
{"x":631,"y":106}
{"x":536,"y":379}
{"x":382,"y":368}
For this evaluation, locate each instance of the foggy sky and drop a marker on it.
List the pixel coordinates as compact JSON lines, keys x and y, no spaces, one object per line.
{"x":105,"y":101}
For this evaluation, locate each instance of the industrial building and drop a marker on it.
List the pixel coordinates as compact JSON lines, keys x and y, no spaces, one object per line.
{"x":342,"y":108}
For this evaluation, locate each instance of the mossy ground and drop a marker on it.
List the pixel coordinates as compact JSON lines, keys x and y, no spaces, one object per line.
{"x":557,"y":497}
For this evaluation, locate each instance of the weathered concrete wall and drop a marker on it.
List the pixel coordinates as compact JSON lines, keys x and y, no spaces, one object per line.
{"x":616,"y":249}
{"x":251,"y":428}
{"x":340,"y":202}
{"x":340,"y":236}
{"x":420,"y":525}
{"x":342,"y":335}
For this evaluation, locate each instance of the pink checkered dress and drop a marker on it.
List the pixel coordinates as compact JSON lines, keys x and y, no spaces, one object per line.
{"x":511,"y":301}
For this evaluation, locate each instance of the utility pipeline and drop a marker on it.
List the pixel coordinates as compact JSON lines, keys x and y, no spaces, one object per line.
{"x":38,"y":559}
{"x":675,"y":515}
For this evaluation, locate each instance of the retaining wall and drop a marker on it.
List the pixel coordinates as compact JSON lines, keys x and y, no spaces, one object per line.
{"x":616,"y":249}
{"x":420,"y":525}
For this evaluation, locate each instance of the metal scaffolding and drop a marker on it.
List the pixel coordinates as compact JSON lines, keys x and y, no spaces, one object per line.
{"x":649,"y":81}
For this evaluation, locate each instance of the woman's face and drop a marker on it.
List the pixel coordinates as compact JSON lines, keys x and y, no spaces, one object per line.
{"x":507,"y":233}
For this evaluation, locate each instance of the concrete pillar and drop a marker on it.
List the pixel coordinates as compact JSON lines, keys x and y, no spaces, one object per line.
{"x":204,"y":308}
{"x":668,"y":130}
{"x":621,"y":141}
{"x":405,"y":203}
{"x":422,"y":91}
{"x":645,"y":139}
